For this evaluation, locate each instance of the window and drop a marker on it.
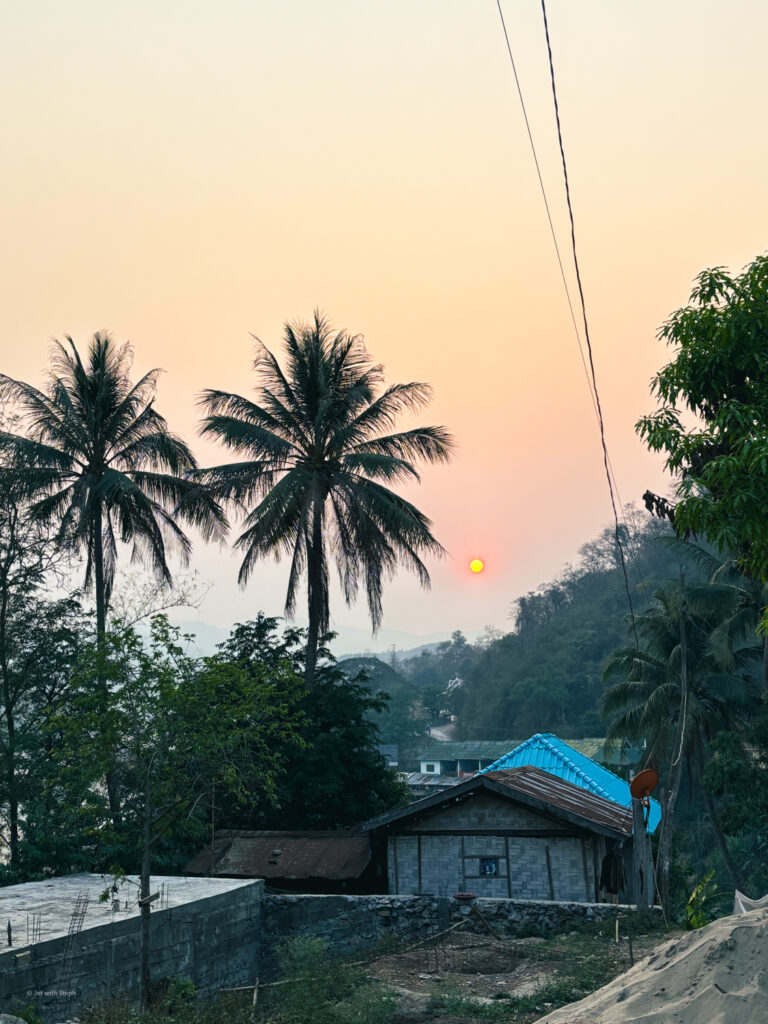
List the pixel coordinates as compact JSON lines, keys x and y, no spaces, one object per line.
{"x":430,"y":767}
{"x":489,"y":866}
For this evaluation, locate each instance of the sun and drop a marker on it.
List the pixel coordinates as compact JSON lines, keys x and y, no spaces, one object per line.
{"x":476,"y":565}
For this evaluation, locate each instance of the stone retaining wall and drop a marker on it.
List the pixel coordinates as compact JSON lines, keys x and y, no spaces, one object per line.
{"x":353,"y":925}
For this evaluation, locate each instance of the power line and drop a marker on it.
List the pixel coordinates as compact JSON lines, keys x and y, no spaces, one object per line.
{"x":589,"y":373}
{"x":562,"y":270}
{"x":586,"y":324}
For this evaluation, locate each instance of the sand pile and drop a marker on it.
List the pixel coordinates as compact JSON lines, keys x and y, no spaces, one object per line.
{"x":717,"y":975}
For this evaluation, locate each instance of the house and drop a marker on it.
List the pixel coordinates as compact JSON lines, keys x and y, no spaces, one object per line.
{"x":456,"y":759}
{"x":321,"y":862}
{"x":553,"y":755}
{"x":521,"y":833}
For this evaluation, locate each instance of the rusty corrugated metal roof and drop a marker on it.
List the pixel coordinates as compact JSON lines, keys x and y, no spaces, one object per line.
{"x":565,"y":796}
{"x":531,"y":786}
{"x":333,"y":856}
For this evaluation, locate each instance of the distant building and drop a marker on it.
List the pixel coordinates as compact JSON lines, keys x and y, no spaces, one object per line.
{"x":457,"y":759}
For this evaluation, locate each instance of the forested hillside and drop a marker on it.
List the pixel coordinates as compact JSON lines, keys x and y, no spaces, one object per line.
{"x":545,"y":675}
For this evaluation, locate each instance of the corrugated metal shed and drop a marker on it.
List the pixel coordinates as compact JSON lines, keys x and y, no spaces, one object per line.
{"x":553,"y":755}
{"x":333,"y":856}
{"x":534,"y":787}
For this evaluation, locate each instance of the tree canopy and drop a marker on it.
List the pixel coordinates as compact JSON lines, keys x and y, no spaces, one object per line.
{"x":712,"y":416}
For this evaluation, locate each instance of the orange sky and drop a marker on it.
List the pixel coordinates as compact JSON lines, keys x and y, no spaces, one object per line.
{"x":185,"y":173}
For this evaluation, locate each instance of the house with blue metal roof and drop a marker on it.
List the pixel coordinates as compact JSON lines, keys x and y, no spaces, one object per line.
{"x":553,"y":755}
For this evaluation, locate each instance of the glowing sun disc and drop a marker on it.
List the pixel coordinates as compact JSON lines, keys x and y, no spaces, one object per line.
{"x":476,"y":565}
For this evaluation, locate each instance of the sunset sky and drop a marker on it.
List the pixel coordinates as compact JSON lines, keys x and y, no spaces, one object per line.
{"x":185,"y":173}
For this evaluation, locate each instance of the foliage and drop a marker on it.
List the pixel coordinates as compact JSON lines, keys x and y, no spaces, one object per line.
{"x":319,"y":457}
{"x":701,"y":907}
{"x":546,"y":675}
{"x":41,"y":642}
{"x":316,"y":987}
{"x":337,"y":776}
{"x":737,"y":779}
{"x":719,"y":374}
{"x":99,"y":460}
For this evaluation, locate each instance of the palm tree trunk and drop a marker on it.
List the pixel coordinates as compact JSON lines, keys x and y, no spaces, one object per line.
{"x":101,"y":651}
{"x":733,"y":870}
{"x":676,"y":763}
{"x":314,"y":586}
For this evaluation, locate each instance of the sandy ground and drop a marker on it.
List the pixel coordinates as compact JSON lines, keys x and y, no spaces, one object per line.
{"x":717,"y":975}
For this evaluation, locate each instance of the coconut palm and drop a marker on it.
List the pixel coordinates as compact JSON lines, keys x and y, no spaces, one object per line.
{"x":102,"y":464}
{"x":318,"y":453}
{"x":675,"y":697}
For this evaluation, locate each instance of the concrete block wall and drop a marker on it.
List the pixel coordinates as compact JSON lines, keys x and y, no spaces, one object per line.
{"x":445,"y":865}
{"x":214,"y":942}
{"x":484,"y":810}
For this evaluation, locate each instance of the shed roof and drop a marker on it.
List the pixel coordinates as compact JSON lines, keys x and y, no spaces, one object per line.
{"x":333,"y":856}
{"x":553,"y":755}
{"x":534,"y":787}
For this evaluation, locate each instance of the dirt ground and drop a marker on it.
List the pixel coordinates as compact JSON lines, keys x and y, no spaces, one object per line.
{"x":465,"y":977}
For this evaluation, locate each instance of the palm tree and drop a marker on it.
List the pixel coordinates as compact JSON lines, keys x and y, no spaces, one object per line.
{"x":318,"y":456}
{"x":102,"y":464}
{"x":675,"y":692}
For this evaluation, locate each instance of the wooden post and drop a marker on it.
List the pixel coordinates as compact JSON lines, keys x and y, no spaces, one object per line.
{"x":549,"y":872}
{"x":641,"y":856}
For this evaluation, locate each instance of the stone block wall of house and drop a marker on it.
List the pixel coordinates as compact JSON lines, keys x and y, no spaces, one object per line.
{"x":456,"y":850}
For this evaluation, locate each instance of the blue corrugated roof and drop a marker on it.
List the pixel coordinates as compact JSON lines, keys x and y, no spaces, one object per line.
{"x":546,"y":751}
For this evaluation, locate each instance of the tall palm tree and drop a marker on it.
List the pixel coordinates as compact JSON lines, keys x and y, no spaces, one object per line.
{"x":676,"y":691}
{"x":102,"y":464}
{"x":319,"y":452}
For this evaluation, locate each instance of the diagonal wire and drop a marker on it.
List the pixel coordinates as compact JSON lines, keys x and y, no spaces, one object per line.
{"x":586,"y":326}
{"x":591,"y":383}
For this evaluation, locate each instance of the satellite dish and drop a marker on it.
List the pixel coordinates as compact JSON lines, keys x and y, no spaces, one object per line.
{"x":644,"y":784}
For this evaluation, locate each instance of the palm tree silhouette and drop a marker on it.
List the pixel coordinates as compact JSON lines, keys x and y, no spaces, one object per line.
{"x":319,"y":452}
{"x":100,"y":462}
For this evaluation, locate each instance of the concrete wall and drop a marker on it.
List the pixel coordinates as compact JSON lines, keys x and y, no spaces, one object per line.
{"x":214,"y":941}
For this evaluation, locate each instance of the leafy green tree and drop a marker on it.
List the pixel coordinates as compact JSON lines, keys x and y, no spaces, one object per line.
{"x":718,"y":376}
{"x":174,"y":732}
{"x":337,"y":776}
{"x":26,"y":560}
{"x":319,"y":452}
{"x":40,"y":642}
{"x":97,"y":459}
{"x":736,"y":778}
